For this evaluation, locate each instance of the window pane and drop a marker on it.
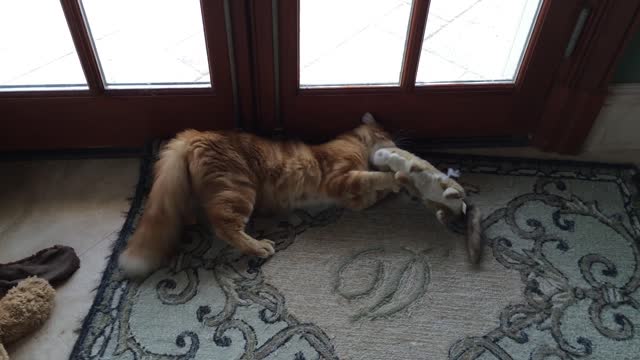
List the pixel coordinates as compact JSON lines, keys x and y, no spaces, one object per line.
{"x":149,"y":42}
{"x":354,"y":42}
{"x":36,"y":49}
{"x":475,"y":40}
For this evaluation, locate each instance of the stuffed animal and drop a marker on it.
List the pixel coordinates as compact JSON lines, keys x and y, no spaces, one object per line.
{"x":23,"y":309}
{"x":435,"y":190}
{"x":423,"y":181}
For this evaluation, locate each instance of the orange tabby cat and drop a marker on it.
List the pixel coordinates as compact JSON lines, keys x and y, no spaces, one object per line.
{"x":231,"y":174}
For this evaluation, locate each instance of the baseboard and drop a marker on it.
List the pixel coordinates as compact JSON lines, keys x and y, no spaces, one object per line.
{"x":70,"y":154}
{"x":618,"y":124}
{"x":422,"y":145}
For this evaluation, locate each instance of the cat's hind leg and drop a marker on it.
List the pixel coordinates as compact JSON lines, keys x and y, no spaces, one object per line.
{"x":228,"y":211}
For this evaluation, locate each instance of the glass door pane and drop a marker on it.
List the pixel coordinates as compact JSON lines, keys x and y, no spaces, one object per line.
{"x":36,"y":49}
{"x":149,"y":43}
{"x":475,"y":40}
{"x":354,"y":42}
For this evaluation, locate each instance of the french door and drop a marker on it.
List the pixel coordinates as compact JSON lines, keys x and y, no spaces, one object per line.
{"x":114,"y":73}
{"x":96,"y":73}
{"x":442,"y":68}
{"x":436,"y":68}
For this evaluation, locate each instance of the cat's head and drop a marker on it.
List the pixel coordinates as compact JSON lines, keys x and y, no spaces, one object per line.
{"x":372,"y":134}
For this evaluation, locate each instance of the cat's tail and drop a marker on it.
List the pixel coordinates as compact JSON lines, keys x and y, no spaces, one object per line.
{"x":474,"y":233}
{"x":161,"y":223}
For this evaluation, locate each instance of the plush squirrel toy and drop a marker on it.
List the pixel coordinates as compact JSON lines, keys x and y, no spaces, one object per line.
{"x":424,"y":181}
{"x":436,"y":190}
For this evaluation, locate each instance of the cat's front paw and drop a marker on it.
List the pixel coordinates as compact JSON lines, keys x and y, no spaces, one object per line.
{"x":398,"y":163}
{"x":399,"y":180}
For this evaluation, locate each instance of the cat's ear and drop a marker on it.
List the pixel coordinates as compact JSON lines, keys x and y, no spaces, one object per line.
{"x":368,"y":119}
{"x":451,"y":194}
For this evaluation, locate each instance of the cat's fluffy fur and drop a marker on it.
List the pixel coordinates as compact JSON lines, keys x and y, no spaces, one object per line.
{"x":230,"y":174}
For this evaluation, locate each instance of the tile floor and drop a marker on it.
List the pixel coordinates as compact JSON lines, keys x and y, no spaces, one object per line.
{"x":342,"y":41}
{"x":79,"y":203}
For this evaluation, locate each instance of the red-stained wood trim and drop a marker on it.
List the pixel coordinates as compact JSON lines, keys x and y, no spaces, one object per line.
{"x":581,"y":85}
{"x":327,"y":115}
{"x":105,"y":121}
{"x":421,"y":90}
{"x":244,"y":62}
{"x":542,"y":59}
{"x":413,"y":47}
{"x":289,"y":50}
{"x":217,"y":47}
{"x":265,"y":82}
{"x":84,"y":46}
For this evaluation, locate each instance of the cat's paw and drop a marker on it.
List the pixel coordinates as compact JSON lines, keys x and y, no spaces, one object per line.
{"x":397,"y":181}
{"x":263,"y":248}
{"x":398,"y":163}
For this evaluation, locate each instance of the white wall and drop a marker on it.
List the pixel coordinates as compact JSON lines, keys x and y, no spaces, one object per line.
{"x":618,"y":125}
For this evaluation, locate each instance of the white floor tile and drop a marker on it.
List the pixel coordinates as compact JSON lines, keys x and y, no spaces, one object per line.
{"x":55,"y":339}
{"x":482,"y":42}
{"x":33,"y":35}
{"x":434,"y":24}
{"x":325,"y":25}
{"x":372,"y":56}
{"x":78,"y":203}
{"x":434,"y":69}
{"x":448,"y":9}
{"x":396,"y":22}
{"x":72,"y":202}
{"x":60,"y":71}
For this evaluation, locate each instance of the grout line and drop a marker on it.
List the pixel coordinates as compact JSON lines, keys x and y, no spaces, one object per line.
{"x":454,"y":18}
{"x":437,"y":31}
{"x":339,"y":45}
{"x":432,"y":53}
{"x":17,"y":77}
{"x":104,"y":238}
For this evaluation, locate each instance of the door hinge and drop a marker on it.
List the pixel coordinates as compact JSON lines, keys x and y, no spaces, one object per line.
{"x":577,"y":31}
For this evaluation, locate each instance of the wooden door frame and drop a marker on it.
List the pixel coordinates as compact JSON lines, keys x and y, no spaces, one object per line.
{"x":590,"y":61}
{"x":255,"y":35}
{"x":399,"y":108}
{"x":582,"y":81}
{"x":100,"y":117}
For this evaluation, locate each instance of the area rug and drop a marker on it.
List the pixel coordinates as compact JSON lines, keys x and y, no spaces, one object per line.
{"x":559,"y":279}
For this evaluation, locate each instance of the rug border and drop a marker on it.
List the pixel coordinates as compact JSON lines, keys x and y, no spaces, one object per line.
{"x":140,"y":193}
{"x":469,"y":158}
{"x":142,"y":188}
